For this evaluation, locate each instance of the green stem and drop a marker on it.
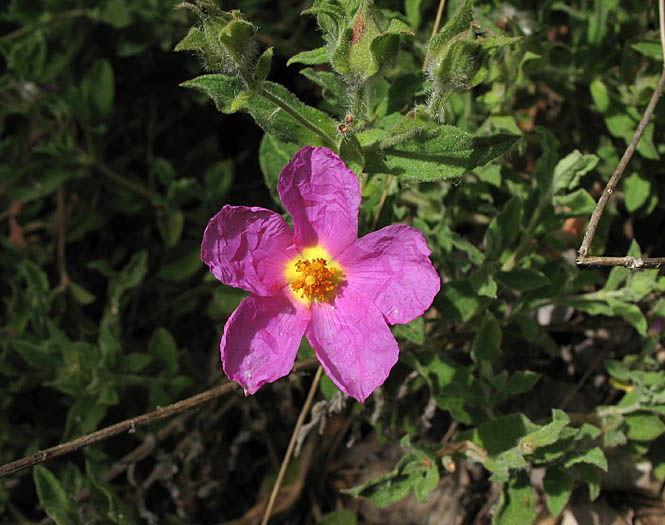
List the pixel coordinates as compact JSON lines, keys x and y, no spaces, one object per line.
{"x":283,"y":105}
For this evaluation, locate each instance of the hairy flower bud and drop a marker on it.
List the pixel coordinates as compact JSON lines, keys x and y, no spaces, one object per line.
{"x":361,"y":41}
{"x":224,"y":39}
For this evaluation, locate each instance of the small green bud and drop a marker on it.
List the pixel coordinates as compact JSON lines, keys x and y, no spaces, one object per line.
{"x":225,"y":40}
{"x":454,"y":69}
{"x":458,"y":56}
{"x":361,"y":41}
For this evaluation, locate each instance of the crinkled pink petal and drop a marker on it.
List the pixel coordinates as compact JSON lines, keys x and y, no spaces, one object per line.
{"x":353,"y":343}
{"x":261,"y":340}
{"x":391,"y":268}
{"x":248,"y":248}
{"x":323,"y":196}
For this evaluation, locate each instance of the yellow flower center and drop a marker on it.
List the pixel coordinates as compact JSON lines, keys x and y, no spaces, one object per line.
{"x":313,"y":276}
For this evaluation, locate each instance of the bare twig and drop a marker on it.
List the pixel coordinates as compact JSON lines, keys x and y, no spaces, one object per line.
{"x":623,"y":163}
{"x":129,"y":425}
{"x":292,"y":443}
{"x":634,"y":263}
{"x":437,"y":23}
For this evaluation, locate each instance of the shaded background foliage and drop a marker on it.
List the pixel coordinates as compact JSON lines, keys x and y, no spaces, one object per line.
{"x":109,"y":172}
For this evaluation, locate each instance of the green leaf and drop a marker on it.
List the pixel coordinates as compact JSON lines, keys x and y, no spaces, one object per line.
{"x":524,"y":279}
{"x":453,"y":388}
{"x":222,"y":89}
{"x":218,"y":180}
{"x":520,"y":382}
{"x":328,"y":388}
{"x":617,"y":370}
{"x":413,"y":331}
{"x":594,"y":456}
{"x":591,"y":477}
{"x":241,"y":101}
{"x":314,"y":57}
{"x":558,"y":485}
{"x":482,"y":281}
{"x":80,"y":294}
{"x":135,"y":362}
{"x":163,"y":347}
{"x":339,"y":517}
{"x":97,"y":89}
{"x":651,"y":48}
{"x":577,"y":203}
{"x":545,"y":435}
{"x":416,"y":471}
{"x":105,"y":500}
{"x":501,"y":434}
{"x":637,"y":191}
{"x":352,"y":154}
{"x":53,"y":497}
{"x":487,"y":344}
{"x":183,"y":267}
{"x":134,"y":271}
{"x":194,"y":41}
{"x":170,"y":222}
{"x":517,"y":503}
{"x":643,"y":426}
{"x":657,"y":458}
{"x":509,"y":220}
{"x":570,"y":169}
{"x":412,"y":10}
{"x":263,"y":65}
{"x":449,"y":152}
{"x":334,"y":91}
{"x":600,"y":95}
{"x":310,"y":127}
{"x":273,"y":156}
{"x":459,"y":301}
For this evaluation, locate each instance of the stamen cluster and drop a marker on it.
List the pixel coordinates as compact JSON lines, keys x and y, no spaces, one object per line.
{"x":316,"y":281}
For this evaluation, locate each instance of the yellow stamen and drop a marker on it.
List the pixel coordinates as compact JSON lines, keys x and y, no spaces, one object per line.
{"x":313,"y":276}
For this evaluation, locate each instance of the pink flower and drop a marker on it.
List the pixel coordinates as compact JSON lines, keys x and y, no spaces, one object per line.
{"x":317,"y":280}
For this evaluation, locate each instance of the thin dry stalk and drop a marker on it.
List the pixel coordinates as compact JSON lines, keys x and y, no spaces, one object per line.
{"x":628,"y":262}
{"x":128,"y":425}
{"x":292,"y":444}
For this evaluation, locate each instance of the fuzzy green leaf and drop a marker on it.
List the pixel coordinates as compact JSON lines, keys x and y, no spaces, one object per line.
{"x":448,"y":153}
{"x":558,"y":485}
{"x":53,"y":497}
{"x":314,"y":57}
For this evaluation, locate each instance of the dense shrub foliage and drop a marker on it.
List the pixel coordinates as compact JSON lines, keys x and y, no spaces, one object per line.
{"x":531,"y":384}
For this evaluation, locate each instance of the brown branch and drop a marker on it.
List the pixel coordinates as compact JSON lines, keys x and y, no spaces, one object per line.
{"x":633,"y":263}
{"x":292,"y":443}
{"x":623,"y":163}
{"x":129,"y":425}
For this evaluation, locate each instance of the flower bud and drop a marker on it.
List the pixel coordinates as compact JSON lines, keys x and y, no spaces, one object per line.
{"x":361,"y":41}
{"x":224,"y":39}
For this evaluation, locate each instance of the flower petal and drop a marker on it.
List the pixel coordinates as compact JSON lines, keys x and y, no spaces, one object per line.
{"x":353,"y":343}
{"x":248,"y":248}
{"x":391,"y":268}
{"x":323,"y":196}
{"x":261,"y":340}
